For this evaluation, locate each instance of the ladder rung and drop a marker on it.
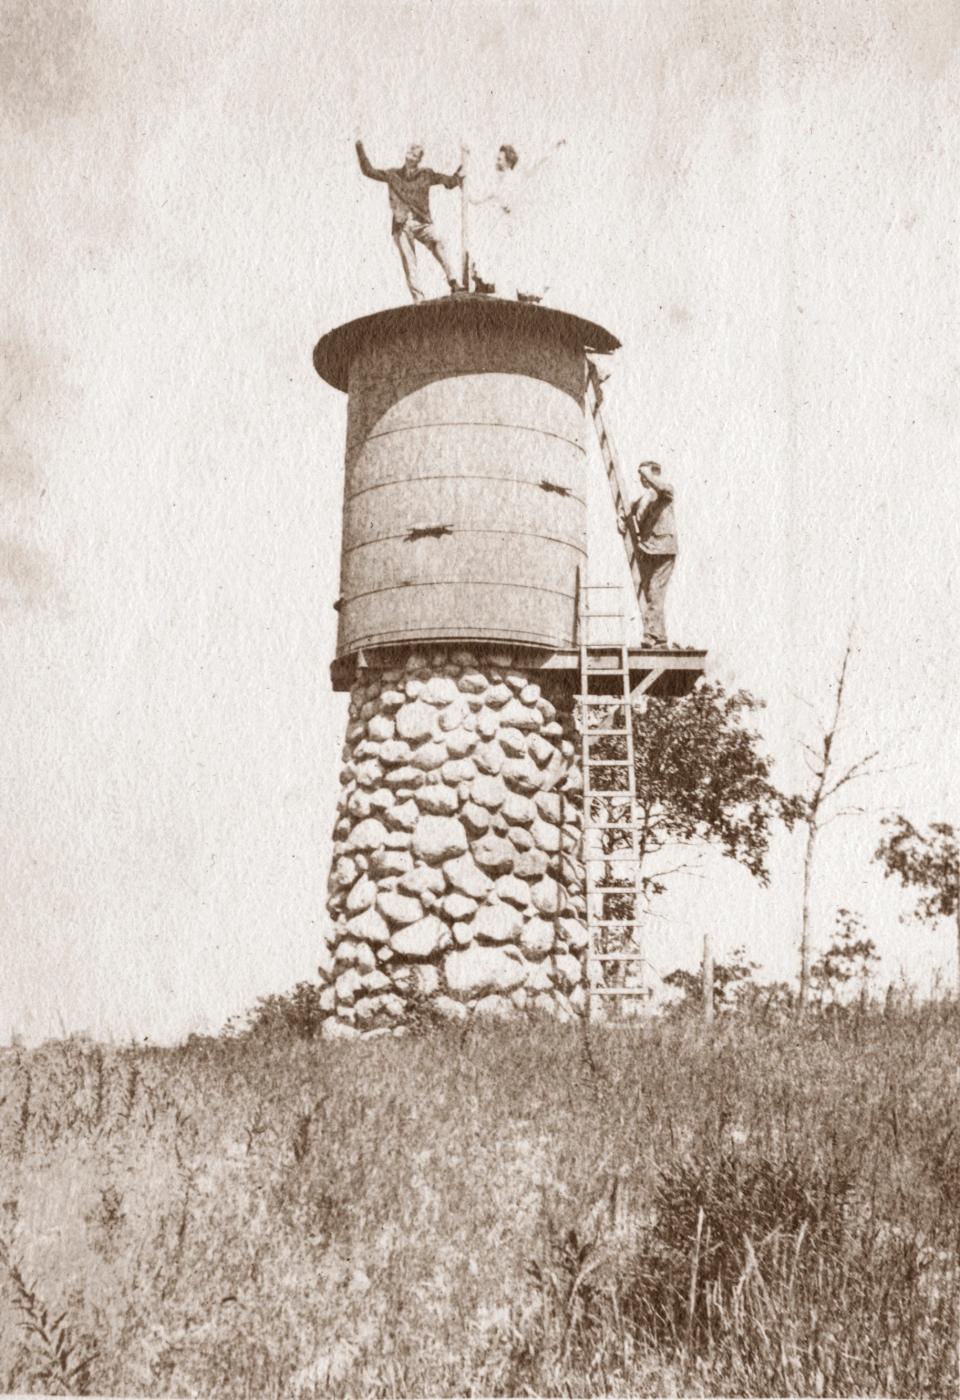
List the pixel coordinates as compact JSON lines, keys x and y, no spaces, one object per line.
{"x":589,"y":733}
{"x":613,"y":857}
{"x":616,"y":957}
{"x":609,"y":762}
{"x":614,"y":826}
{"x":615,"y":923}
{"x":618,"y":991}
{"x":608,"y":700}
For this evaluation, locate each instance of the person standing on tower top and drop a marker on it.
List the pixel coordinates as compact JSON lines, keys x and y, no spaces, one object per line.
{"x":655,"y":532}
{"x":409,"y":189}
{"x":508,"y":249}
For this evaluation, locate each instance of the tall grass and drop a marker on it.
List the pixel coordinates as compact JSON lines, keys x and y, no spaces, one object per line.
{"x":764,"y":1209}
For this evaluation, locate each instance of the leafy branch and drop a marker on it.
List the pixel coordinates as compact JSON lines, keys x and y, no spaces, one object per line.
{"x":60,"y":1364}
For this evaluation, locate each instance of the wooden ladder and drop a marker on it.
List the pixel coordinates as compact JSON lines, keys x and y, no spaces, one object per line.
{"x":614,"y":473}
{"x":608,"y":809}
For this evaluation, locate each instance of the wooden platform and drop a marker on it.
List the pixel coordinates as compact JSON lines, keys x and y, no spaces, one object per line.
{"x":667,"y":672}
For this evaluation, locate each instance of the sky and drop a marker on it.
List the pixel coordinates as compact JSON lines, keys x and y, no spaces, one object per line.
{"x":758,"y":199}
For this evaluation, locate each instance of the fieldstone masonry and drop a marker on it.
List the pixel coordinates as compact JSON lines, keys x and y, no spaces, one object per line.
{"x":455,"y":872}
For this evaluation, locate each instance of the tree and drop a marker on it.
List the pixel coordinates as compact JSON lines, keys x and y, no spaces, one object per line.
{"x":927,"y":861}
{"x":701,"y":779}
{"x":849,"y":958}
{"x":812,"y":808}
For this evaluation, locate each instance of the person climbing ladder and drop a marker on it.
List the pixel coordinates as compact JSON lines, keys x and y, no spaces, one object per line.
{"x":655,"y":534}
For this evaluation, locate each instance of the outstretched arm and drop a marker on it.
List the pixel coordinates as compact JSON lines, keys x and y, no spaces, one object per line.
{"x":450,"y":182}
{"x":548,"y":155}
{"x":371,"y":172}
{"x":494,"y":198}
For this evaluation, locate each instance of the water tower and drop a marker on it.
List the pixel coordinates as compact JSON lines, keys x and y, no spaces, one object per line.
{"x":457,"y":871}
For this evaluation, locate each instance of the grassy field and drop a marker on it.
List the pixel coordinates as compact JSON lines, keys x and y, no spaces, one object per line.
{"x":763,"y":1210}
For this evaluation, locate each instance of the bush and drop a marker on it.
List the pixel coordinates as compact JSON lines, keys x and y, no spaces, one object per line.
{"x":295,"y":1013}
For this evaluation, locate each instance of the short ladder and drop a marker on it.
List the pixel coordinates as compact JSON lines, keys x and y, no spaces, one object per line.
{"x":607,"y":750}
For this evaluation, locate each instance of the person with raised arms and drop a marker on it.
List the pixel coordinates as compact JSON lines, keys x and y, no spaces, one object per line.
{"x":409,"y":188}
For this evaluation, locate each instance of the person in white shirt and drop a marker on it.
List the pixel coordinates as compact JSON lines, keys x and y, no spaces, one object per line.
{"x":506,"y":259}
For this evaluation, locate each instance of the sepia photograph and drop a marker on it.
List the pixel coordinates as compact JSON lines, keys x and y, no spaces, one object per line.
{"x":479,"y":692}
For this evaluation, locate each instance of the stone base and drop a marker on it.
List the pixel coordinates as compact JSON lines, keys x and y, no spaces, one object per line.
{"x":455,"y":876}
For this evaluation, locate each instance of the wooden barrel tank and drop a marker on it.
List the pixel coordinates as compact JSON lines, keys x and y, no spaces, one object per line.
{"x":464,"y":494}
